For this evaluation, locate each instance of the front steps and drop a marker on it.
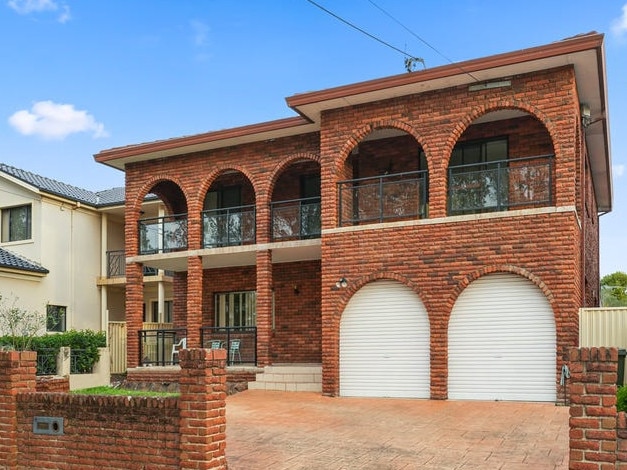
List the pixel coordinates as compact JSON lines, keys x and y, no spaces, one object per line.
{"x":289,"y":378}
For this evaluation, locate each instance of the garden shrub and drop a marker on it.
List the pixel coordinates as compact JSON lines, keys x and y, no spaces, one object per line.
{"x":621,"y":399}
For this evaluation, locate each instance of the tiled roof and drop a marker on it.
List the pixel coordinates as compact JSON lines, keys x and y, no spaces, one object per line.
{"x":11,"y":260}
{"x":52,"y":186}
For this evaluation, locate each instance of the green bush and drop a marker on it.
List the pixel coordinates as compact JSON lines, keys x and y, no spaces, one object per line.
{"x":85,"y":343}
{"x":621,"y":399}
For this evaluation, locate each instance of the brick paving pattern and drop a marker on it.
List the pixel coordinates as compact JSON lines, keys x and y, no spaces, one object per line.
{"x":307,"y":431}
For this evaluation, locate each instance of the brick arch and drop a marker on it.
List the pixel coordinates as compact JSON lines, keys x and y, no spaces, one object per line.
{"x":505,"y":268}
{"x":359,"y":134}
{"x":355,"y":286}
{"x":286,"y":162}
{"x":206,"y":183}
{"x":154,"y":180}
{"x":488,"y":107}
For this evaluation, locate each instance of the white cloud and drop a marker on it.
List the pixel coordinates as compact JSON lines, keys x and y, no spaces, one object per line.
{"x":55,"y":121}
{"x":26,"y":7}
{"x":618,"y":170}
{"x":619,"y":25}
{"x":201,"y":31}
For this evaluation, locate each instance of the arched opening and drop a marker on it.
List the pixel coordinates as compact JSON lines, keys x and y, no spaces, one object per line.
{"x":296,"y":202}
{"x":388,"y":180}
{"x":163,"y":227}
{"x":228,"y":217}
{"x":503,"y":161}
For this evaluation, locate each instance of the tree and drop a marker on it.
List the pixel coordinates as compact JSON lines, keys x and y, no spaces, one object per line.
{"x":19,"y":325}
{"x":614,"y":290}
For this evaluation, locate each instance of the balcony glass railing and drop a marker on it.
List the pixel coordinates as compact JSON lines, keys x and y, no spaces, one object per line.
{"x":297,"y":219}
{"x":499,"y":186}
{"x":228,"y":227}
{"x":163,"y":234}
{"x":386,"y":198}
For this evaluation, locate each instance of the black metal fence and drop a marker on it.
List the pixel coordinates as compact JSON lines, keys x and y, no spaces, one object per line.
{"x":160,"y":347}
{"x":240,"y":342}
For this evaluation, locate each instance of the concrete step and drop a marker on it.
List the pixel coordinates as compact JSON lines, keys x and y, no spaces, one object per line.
{"x":289,"y":378}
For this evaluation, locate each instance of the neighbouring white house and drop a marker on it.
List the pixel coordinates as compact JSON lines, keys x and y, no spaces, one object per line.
{"x":62,"y":254}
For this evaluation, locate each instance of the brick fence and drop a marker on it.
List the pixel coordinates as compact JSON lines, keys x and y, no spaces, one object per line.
{"x":114,"y":432}
{"x":598,"y":433}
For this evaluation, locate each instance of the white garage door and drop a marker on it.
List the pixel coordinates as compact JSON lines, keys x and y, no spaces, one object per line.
{"x":502,"y":342}
{"x":384,"y":343}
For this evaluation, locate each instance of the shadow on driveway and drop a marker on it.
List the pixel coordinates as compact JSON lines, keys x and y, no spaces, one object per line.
{"x":281,"y":431}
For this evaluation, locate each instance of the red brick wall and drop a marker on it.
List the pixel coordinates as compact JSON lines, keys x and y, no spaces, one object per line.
{"x":298,"y":331}
{"x":116,"y":432}
{"x":597,"y":431}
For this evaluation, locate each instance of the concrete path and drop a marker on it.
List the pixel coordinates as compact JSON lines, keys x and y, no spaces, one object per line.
{"x":298,"y":431}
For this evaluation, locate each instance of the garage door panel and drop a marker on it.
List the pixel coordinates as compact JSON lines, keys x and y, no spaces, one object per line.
{"x":384,"y":343}
{"x":502,"y":342}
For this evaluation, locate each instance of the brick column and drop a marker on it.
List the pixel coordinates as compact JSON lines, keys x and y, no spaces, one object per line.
{"x":202,"y":405}
{"x":593,"y":408}
{"x":17,"y":374}
{"x":264,"y":307}
{"x":194,"y":301}
{"x":134,"y":310}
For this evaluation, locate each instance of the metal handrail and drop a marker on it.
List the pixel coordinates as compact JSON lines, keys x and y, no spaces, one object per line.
{"x":230,"y":226}
{"x":500,"y":185}
{"x":224,"y":337}
{"x":296,"y":219}
{"x":163,"y":234}
{"x":397,"y":196}
{"x":155,"y":346}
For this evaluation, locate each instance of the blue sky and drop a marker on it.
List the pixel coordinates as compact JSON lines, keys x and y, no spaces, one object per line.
{"x":79,"y":77}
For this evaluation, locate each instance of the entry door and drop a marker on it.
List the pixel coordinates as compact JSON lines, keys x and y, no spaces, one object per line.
{"x":502,"y":343}
{"x":384,"y":343}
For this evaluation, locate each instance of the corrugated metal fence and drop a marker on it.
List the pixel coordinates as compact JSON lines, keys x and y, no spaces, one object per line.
{"x":603,"y":327}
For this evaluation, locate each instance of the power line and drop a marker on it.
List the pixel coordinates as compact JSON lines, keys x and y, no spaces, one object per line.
{"x":409,"y":59}
{"x":420,"y":39}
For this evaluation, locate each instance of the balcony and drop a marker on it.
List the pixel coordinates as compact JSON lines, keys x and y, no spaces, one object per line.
{"x":116,"y":266}
{"x":387,"y":198}
{"x":231,"y":226}
{"x":500,"y":186}
{"x":163,"y":234}
{"x":297,"y":219}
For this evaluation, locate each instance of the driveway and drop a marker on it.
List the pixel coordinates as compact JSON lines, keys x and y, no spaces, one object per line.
{"x":279,"y":430}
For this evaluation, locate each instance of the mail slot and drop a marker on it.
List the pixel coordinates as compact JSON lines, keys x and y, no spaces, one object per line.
{"x":48,"y":425}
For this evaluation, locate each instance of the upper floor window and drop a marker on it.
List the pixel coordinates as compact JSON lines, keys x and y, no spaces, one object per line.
{"x":486,"y":151}
{"x":56,"y":318}
{"x":16,"y":223}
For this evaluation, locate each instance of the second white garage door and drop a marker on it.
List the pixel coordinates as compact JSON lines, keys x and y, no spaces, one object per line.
{"x":384,"y":343}
{"x":502,"y":342}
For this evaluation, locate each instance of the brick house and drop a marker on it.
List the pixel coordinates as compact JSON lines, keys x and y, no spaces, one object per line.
{"x":431,"y":234}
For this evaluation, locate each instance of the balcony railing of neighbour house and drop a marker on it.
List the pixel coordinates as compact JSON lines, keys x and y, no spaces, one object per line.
{"x":231,"y":226}
{"x":116,"y":265}
{"x":156,"y":346}
{"x":163,"y":234}
{"x":500,"y":186}
{"x":239,"y":341}
{"x":386,"y":198}
{"x":296,"y":219}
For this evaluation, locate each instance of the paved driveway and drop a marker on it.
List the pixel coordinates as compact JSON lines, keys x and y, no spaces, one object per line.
{"x":278,"y":430}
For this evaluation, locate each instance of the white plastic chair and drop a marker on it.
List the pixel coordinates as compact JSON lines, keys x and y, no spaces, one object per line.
{"x":176,"y":347}
{"x":234,"y":350}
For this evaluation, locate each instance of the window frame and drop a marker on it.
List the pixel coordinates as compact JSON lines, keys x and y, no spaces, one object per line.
{"x":7,"y":218}
{"x":227,"y":319}
{"x":60,"y":311}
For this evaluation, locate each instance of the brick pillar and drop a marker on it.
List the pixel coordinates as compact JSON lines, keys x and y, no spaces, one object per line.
{"x":593,"y":416}
{"x":264,"y":307}
{"x":194,"y":301}
{"x":17,"y":374}
{"x":134,"y":311}
{"x":202,"y":404}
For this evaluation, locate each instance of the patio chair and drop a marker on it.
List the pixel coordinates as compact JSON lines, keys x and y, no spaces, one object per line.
{"x":216,"y":344}
{"x":176,"y":347}
{"x":234,"y":351}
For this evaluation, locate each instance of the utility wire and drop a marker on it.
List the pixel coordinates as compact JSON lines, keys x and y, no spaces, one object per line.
{"x":419,"y":38}
{"x":409,"y":60}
